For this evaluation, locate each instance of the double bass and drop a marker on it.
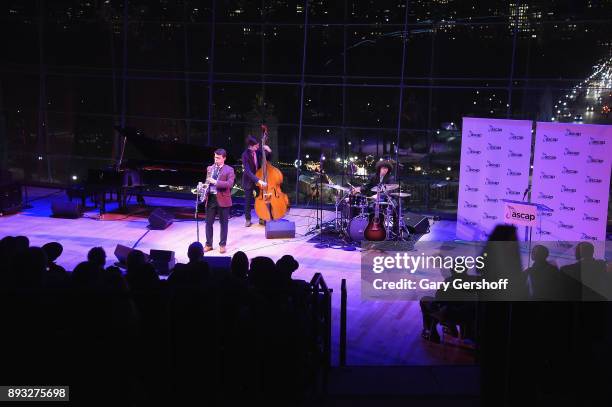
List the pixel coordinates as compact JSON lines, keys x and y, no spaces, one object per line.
{"x":271,"y":202}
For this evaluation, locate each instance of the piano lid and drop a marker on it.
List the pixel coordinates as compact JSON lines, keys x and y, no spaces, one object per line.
{"x":141,"y":150}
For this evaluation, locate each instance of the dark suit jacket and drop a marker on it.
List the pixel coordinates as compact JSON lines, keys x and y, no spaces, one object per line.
{"x":589,"y":280}
{"x":225,"y":182}
{"x":249,"y":179}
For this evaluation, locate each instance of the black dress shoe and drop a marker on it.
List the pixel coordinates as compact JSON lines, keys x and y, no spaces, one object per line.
{"x":262,"y":222}
{"x":247,"y":224}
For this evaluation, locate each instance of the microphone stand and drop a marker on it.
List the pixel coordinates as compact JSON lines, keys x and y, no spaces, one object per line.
{"x":527,"y":229}
{"x":399,"y":208}
{"x":320,"y":245}
{"x":197,"y":203}
{"x":197,"y":218}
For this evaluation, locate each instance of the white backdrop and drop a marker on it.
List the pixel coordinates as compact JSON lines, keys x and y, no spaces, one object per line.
{"x":571,"y":174}
{"x":495,"y":158}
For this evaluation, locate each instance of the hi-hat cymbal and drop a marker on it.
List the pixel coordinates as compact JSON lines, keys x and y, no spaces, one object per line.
{"x":384,"y":187}
{"x":337,"y":187}
{"x":400,"y":194}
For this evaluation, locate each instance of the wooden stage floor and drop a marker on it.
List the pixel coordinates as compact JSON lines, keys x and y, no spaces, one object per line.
{"x":378,"y":333}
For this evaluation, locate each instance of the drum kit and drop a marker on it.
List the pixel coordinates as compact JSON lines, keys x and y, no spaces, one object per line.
{"x":356,"y":212}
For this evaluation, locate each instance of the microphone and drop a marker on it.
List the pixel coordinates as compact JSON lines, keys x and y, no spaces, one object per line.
{"x":526,"y":191}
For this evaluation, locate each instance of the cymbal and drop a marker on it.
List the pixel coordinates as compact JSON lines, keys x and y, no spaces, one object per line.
{"x":385,"y":187}
{"x":373,"y":197}
{"x":401,"y":194}
{"x":337,"y":187}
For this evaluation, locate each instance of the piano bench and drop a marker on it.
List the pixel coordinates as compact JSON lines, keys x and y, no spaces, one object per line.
{"x":78,"y":191}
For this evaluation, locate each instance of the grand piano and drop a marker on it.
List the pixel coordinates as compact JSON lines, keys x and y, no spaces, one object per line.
{"x":146,"y":165}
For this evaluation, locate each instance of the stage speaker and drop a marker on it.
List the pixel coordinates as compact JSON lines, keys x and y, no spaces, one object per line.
{"x":218,"y":262}
{"x":62,"y":209}
{"x":280,"y":229}
{"x":163,"y":260}
{"x":160,"y":219}
{"x":121,"y":253}
{"x":417,"y":224}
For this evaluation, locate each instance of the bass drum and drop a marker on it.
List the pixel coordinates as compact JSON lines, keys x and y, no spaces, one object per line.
{"x":356,"y":228}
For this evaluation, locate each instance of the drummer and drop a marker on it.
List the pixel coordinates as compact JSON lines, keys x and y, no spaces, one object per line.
{"x":383,"y":175}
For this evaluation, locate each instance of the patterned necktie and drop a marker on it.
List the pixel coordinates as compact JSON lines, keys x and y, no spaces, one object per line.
{"x":216,"y":172}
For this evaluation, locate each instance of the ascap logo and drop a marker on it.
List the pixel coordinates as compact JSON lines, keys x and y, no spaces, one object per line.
{"x":471,"y":189}
{"x":544,"y":175}
{"x":570,"y":133}
{"x":596,"y":142}
{"x":468,"y":222}
{"x":590,"y":218}
{"x":564,"y":207}
{"x":592,"y":180}
{"x":543,"y":232}
{"x":548,"y":157}
{"x":514,"y":214}
{"x":569,"y":171}
{"x":494,"y":129}
{"x":512,"y":192}
{"x":512,"y":154}
{"x":542,"y":195}
{"x":490,"y":200}
{"x":547,"y":139}
{"x":564,"y":225}
{"x":493,"y":147}
{"x":584,"y":236}
{"x":487,"y":216}
{"x":491,"y":182}
{"x":493,"y":165}
{"x":593,"y":160}
{"x":470,"y":169}
{"x":568,"y":190}
{"x":588,"y":199}
{"x":511,"y":173}
{"x":570,"y":152}
{"x":472,"y":134}
{"x":473,"y":152}
{"x":515,"y":137}
{"x":470,"y":205}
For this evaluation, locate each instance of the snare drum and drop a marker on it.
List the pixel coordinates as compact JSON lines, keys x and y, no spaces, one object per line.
{"x":349,"y":212}
{"x":354,"y":205}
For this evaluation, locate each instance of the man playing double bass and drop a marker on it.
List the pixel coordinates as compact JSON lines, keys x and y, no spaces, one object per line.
{"x":251,"y":162}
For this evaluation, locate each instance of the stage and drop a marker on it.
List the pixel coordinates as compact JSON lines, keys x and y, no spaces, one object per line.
{"x":379,"y":333}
